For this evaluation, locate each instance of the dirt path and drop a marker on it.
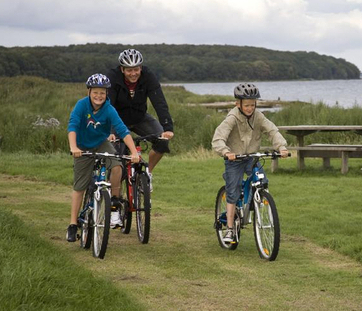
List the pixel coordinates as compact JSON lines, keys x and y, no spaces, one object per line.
{"x":183,"y":268}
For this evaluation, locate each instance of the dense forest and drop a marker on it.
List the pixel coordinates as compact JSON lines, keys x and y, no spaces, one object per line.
{"x":175,"y":63}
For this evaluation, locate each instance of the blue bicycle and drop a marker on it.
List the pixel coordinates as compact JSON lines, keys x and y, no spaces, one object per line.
{"x":255,"y":200}
{"x":94,"y":218}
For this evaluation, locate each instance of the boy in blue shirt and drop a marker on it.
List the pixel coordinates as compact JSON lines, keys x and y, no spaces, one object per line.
{"x":89,"y":126}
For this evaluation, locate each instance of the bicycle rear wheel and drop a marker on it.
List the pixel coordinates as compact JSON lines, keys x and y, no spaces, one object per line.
{"x":85,"y":221}
{"x":101,"y":219}
{"x":142,"y":201}
{"x":221,"y":221}
{"x":266,"y":227}
{"x":126,"y":215}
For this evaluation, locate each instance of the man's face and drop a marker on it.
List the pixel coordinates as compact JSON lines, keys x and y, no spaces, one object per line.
{"x":247,"y":106}
{"x":98,"y":96}
{"x":132,"y":74}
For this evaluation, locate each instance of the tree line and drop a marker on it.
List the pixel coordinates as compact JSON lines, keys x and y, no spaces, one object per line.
{"x":175,"y":63}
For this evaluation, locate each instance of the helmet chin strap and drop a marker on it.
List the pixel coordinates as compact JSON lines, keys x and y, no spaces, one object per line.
{"x":247,"y":117}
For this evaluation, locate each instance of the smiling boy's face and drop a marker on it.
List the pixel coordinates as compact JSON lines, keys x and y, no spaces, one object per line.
{"x":247,"y":106}
{"x":98,"y":96}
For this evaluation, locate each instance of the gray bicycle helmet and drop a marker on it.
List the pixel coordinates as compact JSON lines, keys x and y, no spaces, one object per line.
{"x":130,"y":58}
{"x":246,"y":91}
{"x":98,"y":80}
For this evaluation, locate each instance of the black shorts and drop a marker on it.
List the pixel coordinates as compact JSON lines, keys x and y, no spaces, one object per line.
{"x":149,"y":125}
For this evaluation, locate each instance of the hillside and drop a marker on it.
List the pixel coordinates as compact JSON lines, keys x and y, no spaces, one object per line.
{"x":173,"y":63}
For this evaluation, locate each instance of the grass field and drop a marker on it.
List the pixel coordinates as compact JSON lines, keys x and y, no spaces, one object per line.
{"x":182,"y":268}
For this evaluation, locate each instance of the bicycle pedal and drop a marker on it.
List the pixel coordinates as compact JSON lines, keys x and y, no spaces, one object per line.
{"x":78,"y":236}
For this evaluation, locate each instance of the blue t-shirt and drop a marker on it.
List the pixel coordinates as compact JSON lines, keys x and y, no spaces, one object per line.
{"x":93,"y":129}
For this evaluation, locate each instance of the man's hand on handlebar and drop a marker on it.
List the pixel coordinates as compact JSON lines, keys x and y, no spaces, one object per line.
{"x":167,"y":135}
{"x":111,"y":137}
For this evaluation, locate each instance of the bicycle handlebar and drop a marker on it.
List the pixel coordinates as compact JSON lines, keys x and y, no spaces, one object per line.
{"x":151,"y":137}
{"x":99,"y":154}
{"x":265,"y":154}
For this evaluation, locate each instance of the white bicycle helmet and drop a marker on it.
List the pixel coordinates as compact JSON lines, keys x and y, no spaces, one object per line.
{"x":98,"y":80}
{"x":246,"y":91}
{"x":130,"y":58}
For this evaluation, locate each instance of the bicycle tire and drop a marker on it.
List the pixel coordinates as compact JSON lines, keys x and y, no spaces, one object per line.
{"x":126,"y":215}
{"x":101,"y":220}
{"x":142,"y":199}
{"x":220,"y":224}
{"x":86,"y":227}
{"x":266,"y":227}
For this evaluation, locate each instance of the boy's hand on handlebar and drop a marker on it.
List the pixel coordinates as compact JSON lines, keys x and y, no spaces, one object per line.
{"x":167,"y":135}
{"x":230,"y":156}
{"x":135,"y":158}
{"x":284,"y":153}
{"x":76,"y":152}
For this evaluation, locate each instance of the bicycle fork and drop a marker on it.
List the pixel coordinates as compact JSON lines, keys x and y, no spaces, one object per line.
{"x":101,"y":185}
{"x":258,"y":203}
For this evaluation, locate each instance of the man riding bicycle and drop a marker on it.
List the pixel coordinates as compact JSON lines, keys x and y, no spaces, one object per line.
{"x":132,"y":85}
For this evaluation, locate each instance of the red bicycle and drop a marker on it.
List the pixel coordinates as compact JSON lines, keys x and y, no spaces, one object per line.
{"x":136,"y":195}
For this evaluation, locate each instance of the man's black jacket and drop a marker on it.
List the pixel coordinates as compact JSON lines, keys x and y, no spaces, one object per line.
{"x":133,"y":110}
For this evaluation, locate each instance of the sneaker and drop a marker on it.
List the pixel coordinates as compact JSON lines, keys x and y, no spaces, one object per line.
{"x":72,"y":233}
{"x":229,"y":236}
{"x":116,"y":202}
{"x":151,"y":177}
{"x":115,"y":219}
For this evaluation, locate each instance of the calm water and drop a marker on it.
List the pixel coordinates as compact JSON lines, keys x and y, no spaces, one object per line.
{"x":346,"y":92}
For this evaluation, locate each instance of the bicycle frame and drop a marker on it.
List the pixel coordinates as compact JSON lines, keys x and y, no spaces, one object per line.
{"x":132,"y":168}
{"x":98,"y":182}
{"x":250,"y":188}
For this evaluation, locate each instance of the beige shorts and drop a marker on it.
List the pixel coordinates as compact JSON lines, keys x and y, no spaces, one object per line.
{"x":83,"y":166}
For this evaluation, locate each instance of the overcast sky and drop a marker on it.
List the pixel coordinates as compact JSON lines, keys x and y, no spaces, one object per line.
{"x":331,"y":27}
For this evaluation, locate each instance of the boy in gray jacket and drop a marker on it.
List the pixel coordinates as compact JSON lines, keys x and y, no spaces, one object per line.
{"x":240,"y":133}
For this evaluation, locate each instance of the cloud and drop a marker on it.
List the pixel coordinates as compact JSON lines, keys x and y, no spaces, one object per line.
{"x":331,"y":27}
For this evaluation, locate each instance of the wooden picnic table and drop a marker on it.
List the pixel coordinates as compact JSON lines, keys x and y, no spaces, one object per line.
{"x":325,"y":151}
{"x":303,"y":130}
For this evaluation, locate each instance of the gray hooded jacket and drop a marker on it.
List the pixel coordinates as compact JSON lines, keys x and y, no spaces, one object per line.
{"x":235,"y":135}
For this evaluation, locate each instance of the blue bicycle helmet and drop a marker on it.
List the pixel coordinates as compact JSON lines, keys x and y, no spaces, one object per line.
{"x":98,"y":80}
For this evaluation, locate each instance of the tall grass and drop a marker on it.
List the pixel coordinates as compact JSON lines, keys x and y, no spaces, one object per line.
{"x":25,"y":99}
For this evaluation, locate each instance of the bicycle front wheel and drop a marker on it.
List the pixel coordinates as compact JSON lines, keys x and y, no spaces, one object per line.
{"x":266,"y":226}
{"x":85,"y":220}
{"x":101,"y":219}
{"x":221,"y":221}
{"x":142,"y":201}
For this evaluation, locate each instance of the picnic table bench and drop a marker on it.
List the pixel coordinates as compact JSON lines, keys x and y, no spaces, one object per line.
{"x":324,"y":151}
